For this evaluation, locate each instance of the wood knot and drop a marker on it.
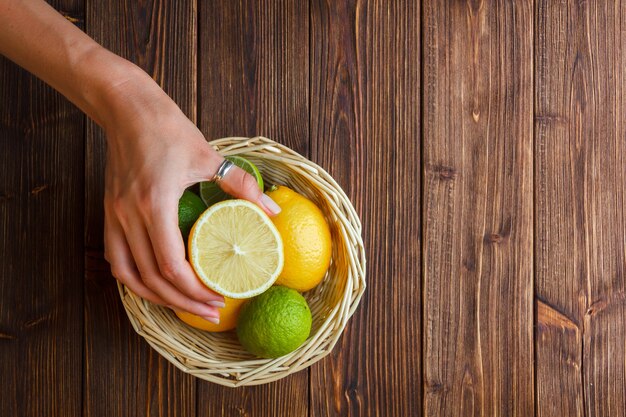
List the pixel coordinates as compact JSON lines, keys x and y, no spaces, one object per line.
{"x":38,"y":189}
{"x":573,"y":362}
{"x":596,"y":307}
{"x":434,"y":387}
{"x":612,"y":299}
{"x":5,"y":335}
{"x":469,"y":264}
{"x":445,"y":173}
{"x":495,"y":238}
{"x":352,"y":392}
{"x":36,"y":321}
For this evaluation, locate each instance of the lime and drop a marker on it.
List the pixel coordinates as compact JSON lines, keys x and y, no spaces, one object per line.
{"x":190,"y":207}
{"x":274,"y":323}
{"x":211,"y":193}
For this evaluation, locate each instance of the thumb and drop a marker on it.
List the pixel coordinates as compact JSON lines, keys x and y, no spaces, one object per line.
{"x":240,"y":184}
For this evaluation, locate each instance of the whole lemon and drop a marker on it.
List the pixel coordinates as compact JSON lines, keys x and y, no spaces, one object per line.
{"x":274,"y":323}
{"x":228,"y":317}
{"x":306,"y":239}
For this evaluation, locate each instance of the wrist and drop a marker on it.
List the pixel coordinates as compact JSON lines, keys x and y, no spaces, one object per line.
{"x":115,"y":89}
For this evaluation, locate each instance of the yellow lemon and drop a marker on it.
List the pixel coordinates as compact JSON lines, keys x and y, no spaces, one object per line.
{"x":228,"y":317}
{"x":235,"y":249}
{"x":306,"y":239}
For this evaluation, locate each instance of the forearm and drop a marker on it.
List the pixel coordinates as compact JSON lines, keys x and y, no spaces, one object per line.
{"x":36,"y":37}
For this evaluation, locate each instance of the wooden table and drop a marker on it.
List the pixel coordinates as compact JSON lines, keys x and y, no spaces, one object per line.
{"x":482,"y":143}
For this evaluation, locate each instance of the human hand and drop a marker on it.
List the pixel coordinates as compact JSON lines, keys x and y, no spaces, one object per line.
{"x":154,"y":154}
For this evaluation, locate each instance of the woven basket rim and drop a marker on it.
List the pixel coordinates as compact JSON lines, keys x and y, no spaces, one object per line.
{"x":183,"y":346}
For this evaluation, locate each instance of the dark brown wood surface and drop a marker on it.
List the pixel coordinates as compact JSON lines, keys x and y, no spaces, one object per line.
{"x":580,"y":174}
{"x":477,"y":217}
{"x":481,"y":142}
{"x":41,"y":250}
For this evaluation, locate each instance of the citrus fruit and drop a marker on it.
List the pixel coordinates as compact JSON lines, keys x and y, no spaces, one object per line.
{"x":211,"y":193}
{"x":274,"y":323}
{"x":190,"y":207}
{"x":306,"y":239}
{"x":228,"y":317}
{"x":235,"y":249}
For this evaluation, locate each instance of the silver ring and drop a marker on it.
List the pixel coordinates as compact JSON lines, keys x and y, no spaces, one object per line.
{"x":223,"y":169}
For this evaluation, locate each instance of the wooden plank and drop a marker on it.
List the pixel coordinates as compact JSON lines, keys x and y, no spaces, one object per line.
{"x":478,"y":260}
{"x":558,"y":350}
{"x":41,"y":266}
{"x":365,"y":130}
{"x":254,"y":80}
{"x":124,"y":376}
{"x":560,"y":236}
{"x":580,"y":224}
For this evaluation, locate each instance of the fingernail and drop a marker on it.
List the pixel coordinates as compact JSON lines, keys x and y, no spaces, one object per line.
{"x":213,"y":320}
{"x":269,"y":204}
{"x":218,"y":304}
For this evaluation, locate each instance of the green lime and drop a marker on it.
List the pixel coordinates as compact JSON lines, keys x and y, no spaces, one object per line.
{"x":211,"y":193}
{"x":190,"y":207}
{"x":274,"y":323}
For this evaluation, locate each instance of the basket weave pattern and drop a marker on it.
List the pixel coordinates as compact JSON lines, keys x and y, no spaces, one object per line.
{"x":218,"y":357}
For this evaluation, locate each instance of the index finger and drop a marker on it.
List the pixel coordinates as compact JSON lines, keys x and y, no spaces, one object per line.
{"x":240,"y":184}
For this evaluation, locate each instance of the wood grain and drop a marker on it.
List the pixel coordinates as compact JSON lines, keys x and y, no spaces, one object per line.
{"x":123,"y":375}
{"x":424,"y":115}
{"x":41,"y":299}
{"x":254,"y":80}
{"x":478,"y":282}
{"x":580,"y":224}
{"x":254,"y":70}
{"x":558,"y":342}
{"x":365,"y":130}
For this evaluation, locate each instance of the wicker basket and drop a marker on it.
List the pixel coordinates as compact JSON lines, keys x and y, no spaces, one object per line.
{"x":218,"y":357}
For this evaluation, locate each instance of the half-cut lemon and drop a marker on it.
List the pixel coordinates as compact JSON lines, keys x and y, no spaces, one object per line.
{"x":235,"y":249}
